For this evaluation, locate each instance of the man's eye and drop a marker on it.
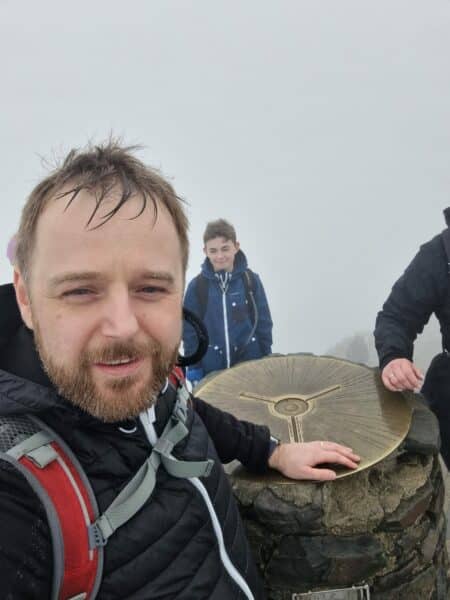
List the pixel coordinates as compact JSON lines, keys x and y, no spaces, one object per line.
{"x":77,"y":292}
{"x":152,"y":289}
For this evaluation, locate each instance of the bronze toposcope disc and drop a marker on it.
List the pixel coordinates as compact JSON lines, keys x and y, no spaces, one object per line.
{"x":302,"y":398}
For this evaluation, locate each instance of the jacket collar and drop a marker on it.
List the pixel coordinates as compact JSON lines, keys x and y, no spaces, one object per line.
{"x":240,"y":264}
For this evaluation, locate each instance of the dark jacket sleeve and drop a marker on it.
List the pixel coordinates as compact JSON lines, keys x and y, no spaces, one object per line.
{"x":264,"y":328}
{"x":234,"y":439}
{"x":25,"y":545}
{"x":420,"y":291}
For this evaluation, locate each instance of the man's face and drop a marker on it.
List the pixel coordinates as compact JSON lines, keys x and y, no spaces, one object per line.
{"x":221,"y":253}
{"x":105,"y":304}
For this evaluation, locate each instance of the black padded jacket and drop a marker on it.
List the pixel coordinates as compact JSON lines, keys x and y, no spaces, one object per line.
{"x":168,"y":549}
{"x":422,"y":290}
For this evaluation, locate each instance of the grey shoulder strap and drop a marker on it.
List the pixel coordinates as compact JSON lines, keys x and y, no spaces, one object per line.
{"x":136,"y":493}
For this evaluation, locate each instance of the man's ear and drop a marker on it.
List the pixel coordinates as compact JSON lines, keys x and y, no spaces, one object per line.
{"x":237,"y":245}
{"x":204,"y":251}
{"x":23,"y":299}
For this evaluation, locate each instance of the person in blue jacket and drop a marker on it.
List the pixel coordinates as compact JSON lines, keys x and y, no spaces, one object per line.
{"x":230,"y":300}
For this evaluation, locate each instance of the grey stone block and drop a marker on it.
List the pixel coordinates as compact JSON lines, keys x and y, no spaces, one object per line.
{"x":423,"y":436}
{"x":409,"y":510}
{"x":421,"y":587}
{"x":283,"y":517}
{"x":319,"y":559}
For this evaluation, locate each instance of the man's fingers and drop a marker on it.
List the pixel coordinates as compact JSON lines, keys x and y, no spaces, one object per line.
{"x":388,"y":383}
{"x":405,"y":383}
{"x":330,"y":456}
{"x":342,"y":450}
{"x":408,"y":377}
{"x":418,"y":373}
{"x":402,"y":378}
{"x":318,"y":474}
{"x":398,"y":380}
{"x":300,"y":460}
{"x":401,"y":374}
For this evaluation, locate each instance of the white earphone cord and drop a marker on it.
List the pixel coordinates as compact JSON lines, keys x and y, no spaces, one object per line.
{"x":147,"y":421}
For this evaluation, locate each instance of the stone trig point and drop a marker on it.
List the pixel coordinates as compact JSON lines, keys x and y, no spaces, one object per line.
{"x":381,"y":529}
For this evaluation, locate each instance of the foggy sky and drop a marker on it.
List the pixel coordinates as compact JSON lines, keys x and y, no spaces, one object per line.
{"x":320,"y":129}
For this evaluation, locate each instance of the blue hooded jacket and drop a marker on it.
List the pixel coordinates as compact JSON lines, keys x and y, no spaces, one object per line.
{"x":228,"y":318}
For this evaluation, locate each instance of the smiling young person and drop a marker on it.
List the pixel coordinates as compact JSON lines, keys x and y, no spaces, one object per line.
{"x":89,"y":336}
{"x":230,"y":300}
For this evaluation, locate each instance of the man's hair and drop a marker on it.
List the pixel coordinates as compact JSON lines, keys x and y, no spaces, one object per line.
{"x":219,"y":228}
{"x":99,"y":169}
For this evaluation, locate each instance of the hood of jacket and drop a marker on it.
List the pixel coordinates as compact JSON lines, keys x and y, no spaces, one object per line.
{"x":24,"y":385}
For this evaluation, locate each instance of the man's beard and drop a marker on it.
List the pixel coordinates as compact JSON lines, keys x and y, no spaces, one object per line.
{"x":122,"y":398}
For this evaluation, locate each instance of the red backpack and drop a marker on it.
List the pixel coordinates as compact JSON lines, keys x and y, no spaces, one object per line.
{"x":78,"y":532}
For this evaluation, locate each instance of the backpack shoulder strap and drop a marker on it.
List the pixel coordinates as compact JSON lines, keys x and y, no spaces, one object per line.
{"x":140,"y":488}
{"x":59,"y":481}
{"x":249,"y":284}
{"x":201,"y":291}
{"x":249,"y":281}
{"x":177,"y":377}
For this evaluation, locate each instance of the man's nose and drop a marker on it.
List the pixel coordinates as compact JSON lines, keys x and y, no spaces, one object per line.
{"x":119,"y":317}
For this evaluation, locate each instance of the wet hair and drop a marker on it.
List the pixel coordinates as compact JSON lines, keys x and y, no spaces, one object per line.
{"x":219,"y":228}
{"x":100,"y":169}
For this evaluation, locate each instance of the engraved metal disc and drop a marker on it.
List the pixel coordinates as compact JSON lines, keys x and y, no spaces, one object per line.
{"x":302,"y":398}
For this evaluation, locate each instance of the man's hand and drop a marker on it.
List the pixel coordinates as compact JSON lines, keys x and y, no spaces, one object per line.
{"x":297,"y":461}
{"x":401,"y":374}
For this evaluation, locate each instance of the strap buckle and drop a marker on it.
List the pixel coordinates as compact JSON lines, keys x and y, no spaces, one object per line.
{"x":96,"y":537}
{"x":180,"y":410}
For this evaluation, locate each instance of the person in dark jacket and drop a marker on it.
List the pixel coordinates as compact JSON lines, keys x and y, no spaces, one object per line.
{"x":231,"y":301}
{"x":422,"y":290}
{"x":88,"y":337}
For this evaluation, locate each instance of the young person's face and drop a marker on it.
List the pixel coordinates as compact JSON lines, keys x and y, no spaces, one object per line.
{"x":105,"y":304}
{"x":221,"y":253}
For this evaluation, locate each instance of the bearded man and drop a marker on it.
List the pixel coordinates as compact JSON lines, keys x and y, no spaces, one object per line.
{"x":89,"y":335}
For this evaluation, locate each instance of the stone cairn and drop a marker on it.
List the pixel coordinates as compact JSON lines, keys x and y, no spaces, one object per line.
{"x":383,"y":526}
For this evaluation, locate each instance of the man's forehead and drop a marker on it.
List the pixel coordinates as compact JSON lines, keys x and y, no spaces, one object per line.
{"x":65,"y":239}
{"x":84,"y":221}
{"x":93,"y":206}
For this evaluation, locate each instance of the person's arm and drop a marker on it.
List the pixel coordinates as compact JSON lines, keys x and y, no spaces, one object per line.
{"x":190,"y":340}
{"x":264,"y":327}
{"x":251,"y":445}
{"x":418,"y":293}
{"x":25,"y":546}
{"x":234,"y":439}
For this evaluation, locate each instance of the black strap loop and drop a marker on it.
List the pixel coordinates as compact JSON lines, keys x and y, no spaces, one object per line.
{"x":203,"y":340}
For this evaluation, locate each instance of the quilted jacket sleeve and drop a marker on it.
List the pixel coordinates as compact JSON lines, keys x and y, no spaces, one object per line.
{"x":234,"y":439}
{"x":420,"y":291}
